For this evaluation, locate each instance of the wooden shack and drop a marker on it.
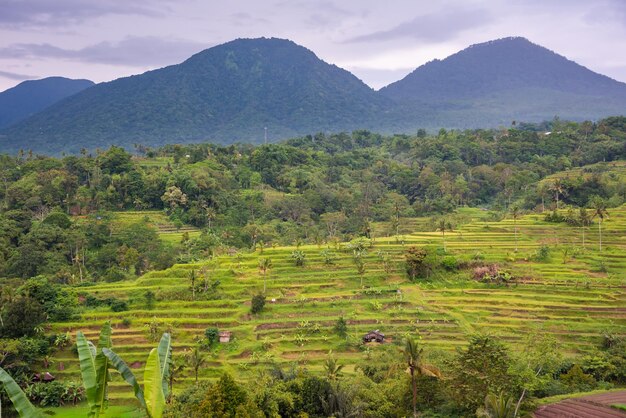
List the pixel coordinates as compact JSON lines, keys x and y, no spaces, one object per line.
{"x":374,"y":336}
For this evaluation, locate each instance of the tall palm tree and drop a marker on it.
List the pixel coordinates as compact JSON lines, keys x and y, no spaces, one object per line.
{"x":598,"y":205}
{"x":264,"y":265}
{"x":413,"y":357}
{"x":559,"y":189}
{"x":444,"y":225}
{"x":515,"y":213}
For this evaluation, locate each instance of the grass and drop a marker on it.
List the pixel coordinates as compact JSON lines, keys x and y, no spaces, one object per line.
{"x":565,"y":295}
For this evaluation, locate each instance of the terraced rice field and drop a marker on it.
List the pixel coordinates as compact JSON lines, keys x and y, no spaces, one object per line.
{"x":577,"y":294}
{"x":168,"y":231}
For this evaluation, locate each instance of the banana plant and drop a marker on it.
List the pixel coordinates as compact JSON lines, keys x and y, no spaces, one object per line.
{"x":21,"y":403}
{"x":94,"y":368}
{"x":155,"y":376}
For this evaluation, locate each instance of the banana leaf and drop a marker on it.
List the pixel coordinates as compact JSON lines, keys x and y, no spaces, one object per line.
{"x":18,"y":397}
{"x":165,"y":359}
{"x":153,"y":385}
{"x":126,"y":373}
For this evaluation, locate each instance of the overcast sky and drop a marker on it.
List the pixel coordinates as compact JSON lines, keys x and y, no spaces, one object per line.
{"x":379,"y":41}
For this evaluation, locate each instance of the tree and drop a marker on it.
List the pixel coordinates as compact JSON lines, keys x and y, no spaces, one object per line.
{"x":265,"y":264}
{"x":332,"y":368}
{"x":598,"y":205}
{"x":413,"y":357}
{"x":192,"y":279}
{"x":258,"y":303}
{"x":19,"y":399}
{"x":94,"y":365}
{"x":416,"y":262}
{"x":358,"y":258}
{"x":299,"y":257}
{"x":155,"y":376}
{"x":558,"y":187}
{"x":341,"y":327}
{"x":444,"y":225}
{"x":176,"y":368}
{"x":196,"y":359}
{"x":515,"y":213}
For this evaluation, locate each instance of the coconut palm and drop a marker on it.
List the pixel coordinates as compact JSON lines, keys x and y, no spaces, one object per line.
{"x":444,"y":225}
{"x":559,"y":189}
{"x":598,"y":205}
{"x":265,"y":264}
{"x":413,"y":357}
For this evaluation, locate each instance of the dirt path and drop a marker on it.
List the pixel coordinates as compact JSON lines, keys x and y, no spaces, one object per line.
{"x":592,"y":406}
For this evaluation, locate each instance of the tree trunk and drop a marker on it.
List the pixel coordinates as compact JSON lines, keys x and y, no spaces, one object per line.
{"x":414,"y":385}
{"x":519,"y":403}
{"x":600,"y":233}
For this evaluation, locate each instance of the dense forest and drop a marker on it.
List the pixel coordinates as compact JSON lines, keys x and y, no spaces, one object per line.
{"x":56,"y":230}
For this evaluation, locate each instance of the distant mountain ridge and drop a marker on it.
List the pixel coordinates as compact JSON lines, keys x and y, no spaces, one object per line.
{"x":32,"y":96}
{"x":227,"y":93}
{"x":231,"y":92}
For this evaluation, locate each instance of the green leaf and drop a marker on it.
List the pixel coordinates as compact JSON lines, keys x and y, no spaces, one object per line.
{"x":87,"y":368}
{"x":165,"y":359}
{"x":20,"y":401}
{"x":126,"y":373}
{"x":152,"y":383}
{"x":102,"y":367}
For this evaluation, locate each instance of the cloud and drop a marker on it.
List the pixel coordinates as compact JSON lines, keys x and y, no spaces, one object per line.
{"x":434,"y":27}
{"x":131,"y":51}
{"x":16,"y":76}
{"x":29,"y":13}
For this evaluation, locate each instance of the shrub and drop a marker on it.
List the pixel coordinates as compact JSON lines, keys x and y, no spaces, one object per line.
{"x":417,"y":264}
{"x":542,"y":254}
{"x":114,"y":274}
{"x":55,"y":393}
{"x":577,"y":380}
{"x":118,"y":305}
{"x":212,"y":335}
{"x":329,"y":257}
{"x":299,"y":257}
{"x":491,"y":274}
{"x":449,"y":263}
{"x":126,"y":322}
{"x":341,"y":327}
{"x":258,"y":303}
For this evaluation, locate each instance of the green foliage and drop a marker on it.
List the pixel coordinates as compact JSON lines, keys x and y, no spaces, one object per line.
{"x":94,"y":367}
{"x":155,"y":379}
{"x":20,"y":402}
{"x":258,"y":303}
{"x":299,"y":257}
{"x":211,"y":335}
{"x":55,"y":393}
{"x":417,"y":263}
{"x":341,"y":327}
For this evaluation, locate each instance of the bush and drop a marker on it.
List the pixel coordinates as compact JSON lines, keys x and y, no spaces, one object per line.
{"x":258,"y":303}
{"x":114,"y":274}
{"x":299,"y":257}
{"x":450,"y":263}
{"x":118,"y":305}
{"x":212,"y":335}
{"x":126,"y":322}
{"x":341,"y":327}
{"x":417,"y":263}
{"x":542,"y":254}
{"x":55,"y":393}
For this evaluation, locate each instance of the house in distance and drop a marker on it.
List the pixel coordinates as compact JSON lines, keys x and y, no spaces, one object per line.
{"x":374,"y":336}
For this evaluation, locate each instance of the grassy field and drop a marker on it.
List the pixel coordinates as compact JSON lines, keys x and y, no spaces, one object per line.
{"x":168,"y":231}
{"x":576,"y":294}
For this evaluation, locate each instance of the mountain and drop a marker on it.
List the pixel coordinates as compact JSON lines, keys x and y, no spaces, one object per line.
{"x":496,"y":82}
{"x":32,"y":96}
{"x":224,"y":94}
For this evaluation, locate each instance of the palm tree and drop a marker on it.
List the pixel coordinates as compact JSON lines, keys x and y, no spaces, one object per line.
{"x":196,"y":359}
{"x":585,"y":220}
{"x":558,"y":187}
{"x":332,"y":368}
{"x":176,"y":368}
{"x":515,"y":213}
{"x":265,"y":264}
{"x":444,"y":225}
{"x":413,"y":357}
{"x":599,"y":210}
{"x":500,"y":406}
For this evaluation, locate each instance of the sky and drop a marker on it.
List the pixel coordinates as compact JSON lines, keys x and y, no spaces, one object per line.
{"x":378,"y":41}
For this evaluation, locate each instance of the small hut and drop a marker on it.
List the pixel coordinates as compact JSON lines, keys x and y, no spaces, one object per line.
{"x":374,"y":336}
{"x":225,"y":336}
{"x":43,"y":377}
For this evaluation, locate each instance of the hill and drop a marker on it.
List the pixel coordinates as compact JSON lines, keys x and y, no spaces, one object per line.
{"x":224,"y":94}
{"x":32,"y":96}
{"x":496,"y":82}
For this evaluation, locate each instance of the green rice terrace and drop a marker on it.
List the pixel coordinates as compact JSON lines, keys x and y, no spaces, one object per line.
{"x":552,"y":284}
